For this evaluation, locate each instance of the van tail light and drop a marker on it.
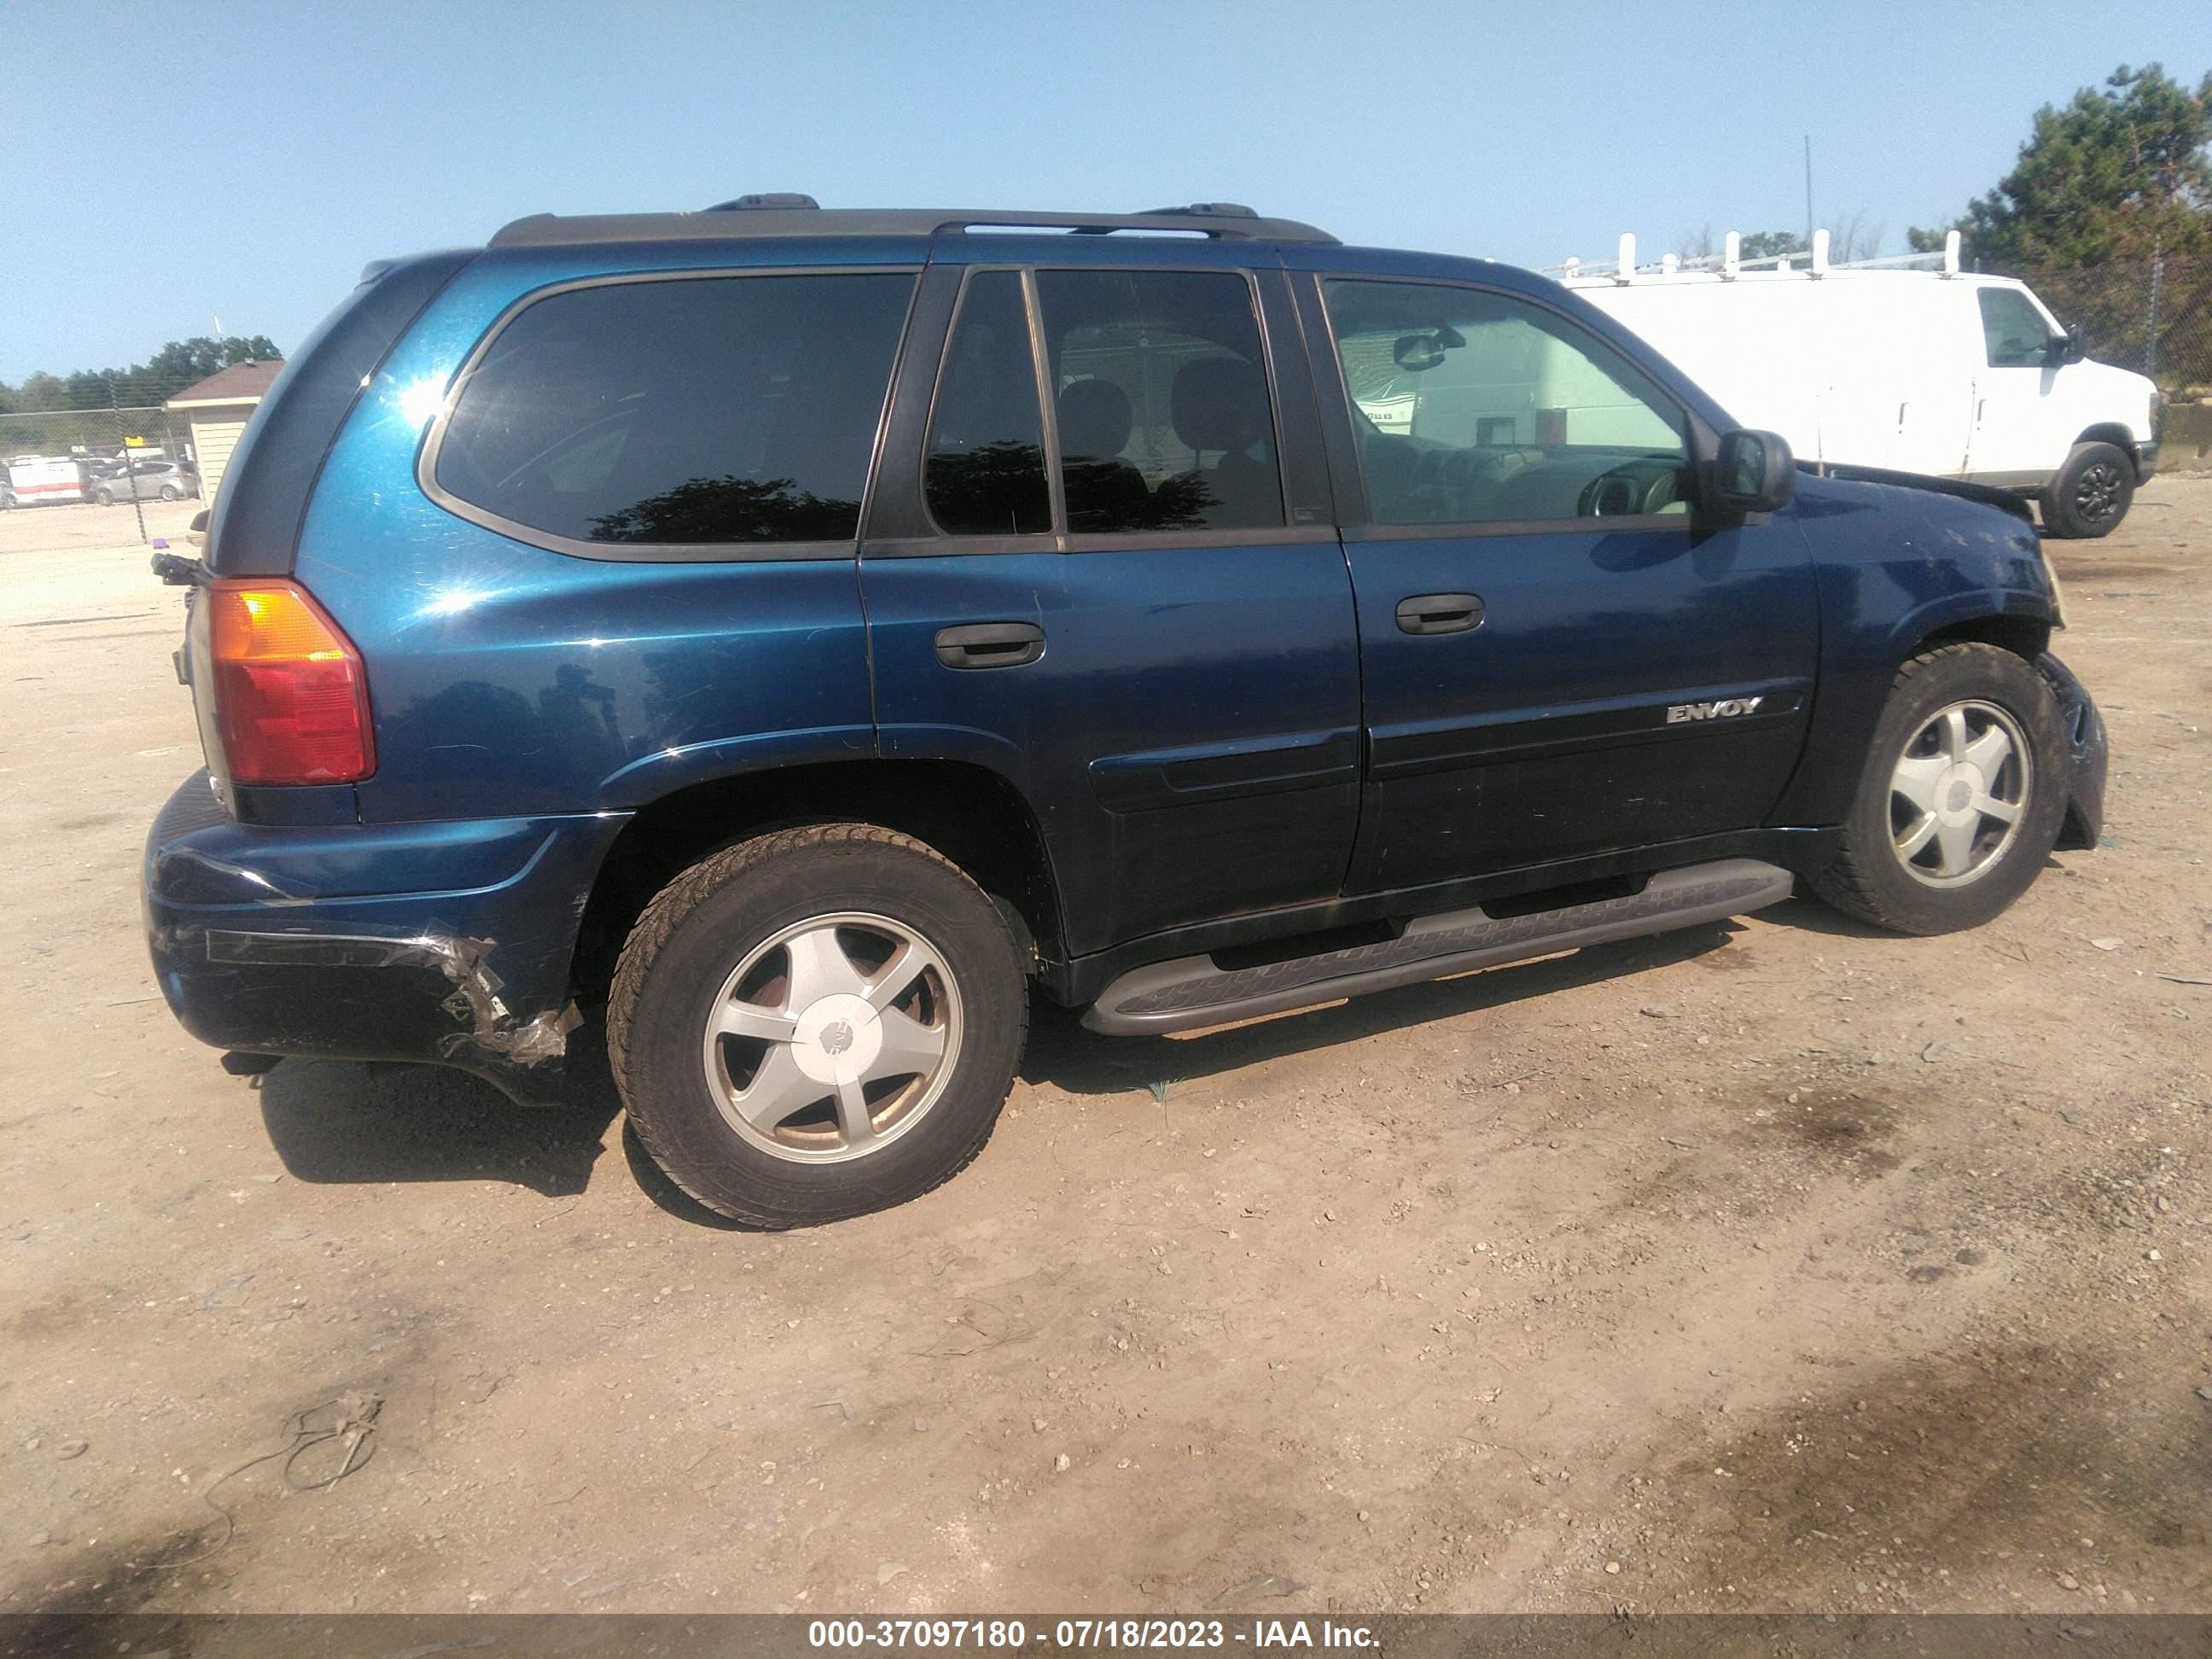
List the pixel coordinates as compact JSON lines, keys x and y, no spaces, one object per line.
{"x":291,"y":697}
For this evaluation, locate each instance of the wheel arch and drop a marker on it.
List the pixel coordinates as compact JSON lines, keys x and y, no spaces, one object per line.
{"x":2115,"y":432}
{"x":2026,"y":636}
{"x":972,"y":815}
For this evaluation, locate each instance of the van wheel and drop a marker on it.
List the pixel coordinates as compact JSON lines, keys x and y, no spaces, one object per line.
{"x":1961,"y":799}
{"x":816,"y":1023}
{"x":2092,"y":493}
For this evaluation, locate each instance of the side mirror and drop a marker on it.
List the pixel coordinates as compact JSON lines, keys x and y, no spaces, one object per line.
{"x":1753,"y":472}
{"x":2063,"y":349}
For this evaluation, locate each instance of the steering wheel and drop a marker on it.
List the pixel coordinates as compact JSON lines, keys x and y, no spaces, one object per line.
{"x":1638,"y":487}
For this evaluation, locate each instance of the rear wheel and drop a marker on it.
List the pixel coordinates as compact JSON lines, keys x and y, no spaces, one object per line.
{"x":1962,"y":796}
{"x":2092,"y":493}
{"x":171,"y":493}
{"x":104,"y":497}
{"x":816,"y":1023}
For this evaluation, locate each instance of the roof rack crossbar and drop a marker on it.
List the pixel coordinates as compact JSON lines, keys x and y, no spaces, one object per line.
{"x":1729,"y":264}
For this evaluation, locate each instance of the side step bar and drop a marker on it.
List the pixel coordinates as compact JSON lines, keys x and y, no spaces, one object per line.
{"x":1190,"y":991}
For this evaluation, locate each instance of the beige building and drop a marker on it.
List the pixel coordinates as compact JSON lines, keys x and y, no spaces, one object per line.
{"x":217,"y":410}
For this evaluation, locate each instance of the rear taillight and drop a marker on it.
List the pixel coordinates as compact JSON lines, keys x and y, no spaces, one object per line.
{"x":291,"y":699}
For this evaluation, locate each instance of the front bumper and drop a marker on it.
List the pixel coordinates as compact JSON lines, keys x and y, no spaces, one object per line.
{"x":2090,"y":752}
{"x":443,"y":942}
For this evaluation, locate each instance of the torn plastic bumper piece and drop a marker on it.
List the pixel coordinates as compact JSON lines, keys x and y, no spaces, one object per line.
{"x":468,"y":967}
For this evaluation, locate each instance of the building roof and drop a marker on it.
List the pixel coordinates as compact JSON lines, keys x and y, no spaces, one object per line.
{"x":242,"y":383}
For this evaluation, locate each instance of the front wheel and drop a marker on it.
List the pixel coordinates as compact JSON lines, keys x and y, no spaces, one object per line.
{"x":2092,"y":493}
{"x":816,"y":1023}
{"x":104,"y":497}
{"x":1962,"y":796}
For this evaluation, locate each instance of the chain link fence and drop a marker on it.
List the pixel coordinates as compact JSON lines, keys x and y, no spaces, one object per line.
{"x":119,"y":472}
{"x":2154,"y":316}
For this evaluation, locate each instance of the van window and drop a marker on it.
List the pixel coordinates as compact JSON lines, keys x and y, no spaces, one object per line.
{"x":692,"y":412}
{"x":985,"y":472}
{"x":1160,"y":394}
{"x":1473,"y":407}
{"x":2013,"y":329}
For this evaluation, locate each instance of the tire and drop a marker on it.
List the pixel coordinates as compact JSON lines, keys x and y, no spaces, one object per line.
{"x":718,"y":945}
{"x":1969,"y":864}
{"x":104,"y":497}
{"x":2092,"y":493}
{"x":171,"y":493}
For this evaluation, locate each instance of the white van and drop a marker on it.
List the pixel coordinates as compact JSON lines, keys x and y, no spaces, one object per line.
{"x":1874,"y":364}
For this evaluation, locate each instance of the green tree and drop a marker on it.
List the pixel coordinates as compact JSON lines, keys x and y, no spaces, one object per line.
{"x":177,"y":365}
{"x":2115,"y":173}
{"x":1766,"y":244}
{"x":42,"y":391}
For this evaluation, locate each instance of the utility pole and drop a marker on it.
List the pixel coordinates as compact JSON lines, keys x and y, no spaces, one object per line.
{"x":1809,"y":189}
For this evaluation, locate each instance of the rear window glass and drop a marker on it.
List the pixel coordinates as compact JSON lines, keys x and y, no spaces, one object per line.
{"x":697,"y":410}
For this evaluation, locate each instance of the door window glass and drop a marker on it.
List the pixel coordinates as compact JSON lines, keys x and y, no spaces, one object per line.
{"x":2012,"y":330}
{"x":701,"y":411}
{"x":1161,"y":398}
{"x":1475,"y":408}
{"x":985,"y":473}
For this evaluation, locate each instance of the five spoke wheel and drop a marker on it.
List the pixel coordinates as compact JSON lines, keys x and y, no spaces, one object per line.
{"x":833,"y":1037}
{"x":1959,"y":793}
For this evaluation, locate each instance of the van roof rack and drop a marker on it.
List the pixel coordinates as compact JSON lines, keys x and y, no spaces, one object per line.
{"x":789,"y":213}
{"x":1729,"y":263}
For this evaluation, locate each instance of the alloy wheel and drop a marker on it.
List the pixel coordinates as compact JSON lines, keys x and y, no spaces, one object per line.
{"x":1959,"y":794}
{"x":833,"y":1038}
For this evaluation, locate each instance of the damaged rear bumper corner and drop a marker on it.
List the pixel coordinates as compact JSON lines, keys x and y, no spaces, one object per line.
{"x":469,"y":968}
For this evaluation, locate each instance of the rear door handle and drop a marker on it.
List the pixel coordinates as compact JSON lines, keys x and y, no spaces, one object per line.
{"x":1439,"y":613}
{"x":990,"y":645}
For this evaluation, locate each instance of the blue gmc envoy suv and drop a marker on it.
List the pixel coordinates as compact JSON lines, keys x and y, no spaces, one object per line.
{"x":787,"y":634}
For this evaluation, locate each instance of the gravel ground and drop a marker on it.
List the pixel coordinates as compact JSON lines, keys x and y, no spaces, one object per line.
{"x":1777,"y":1265}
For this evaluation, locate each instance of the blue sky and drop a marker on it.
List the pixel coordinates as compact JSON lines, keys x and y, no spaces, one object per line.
{"x":297,"y":142}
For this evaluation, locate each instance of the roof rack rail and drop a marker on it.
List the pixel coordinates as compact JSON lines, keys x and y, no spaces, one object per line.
{"x":766,"y":201}
{"x":1729,"y":263}
{"x":780,"y":214}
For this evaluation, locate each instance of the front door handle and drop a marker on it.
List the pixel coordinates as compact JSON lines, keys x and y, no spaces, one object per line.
{"x":990,"y":645}
{"x":1439,"y":613}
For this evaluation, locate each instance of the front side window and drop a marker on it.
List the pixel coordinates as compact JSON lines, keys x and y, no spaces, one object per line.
{"x":985,"y":471}
{"x":692,"y":412}
{"x":1160,"y":396}
{"x":2012,"y":330}
{"x":1471,"y":407}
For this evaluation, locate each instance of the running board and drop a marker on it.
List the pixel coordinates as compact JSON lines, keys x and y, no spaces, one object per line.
{"x":1190,"y":991}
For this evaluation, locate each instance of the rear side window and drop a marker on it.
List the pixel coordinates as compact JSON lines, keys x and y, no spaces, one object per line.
{"x":2012,"y":330}
{"x":1161,"y":399}
{"x":985,"y":475}
{"x":685,"y":412}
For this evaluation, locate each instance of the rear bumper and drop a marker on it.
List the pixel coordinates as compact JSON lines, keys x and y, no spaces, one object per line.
{"x":2146,"y":460}
{"x":2091,"y":755}
{"x":443,"y":942}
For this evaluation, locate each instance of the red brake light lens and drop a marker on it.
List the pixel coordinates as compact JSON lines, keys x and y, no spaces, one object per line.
{"x":290,"y":695}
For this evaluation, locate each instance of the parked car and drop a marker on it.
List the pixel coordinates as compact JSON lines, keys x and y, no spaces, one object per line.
{"x":1937,"y":371}
{"x":798,"y":635}
{"x":145,"y":481}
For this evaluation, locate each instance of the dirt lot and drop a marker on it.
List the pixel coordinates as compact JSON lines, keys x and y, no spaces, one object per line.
{"x":1772,"y":1266}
